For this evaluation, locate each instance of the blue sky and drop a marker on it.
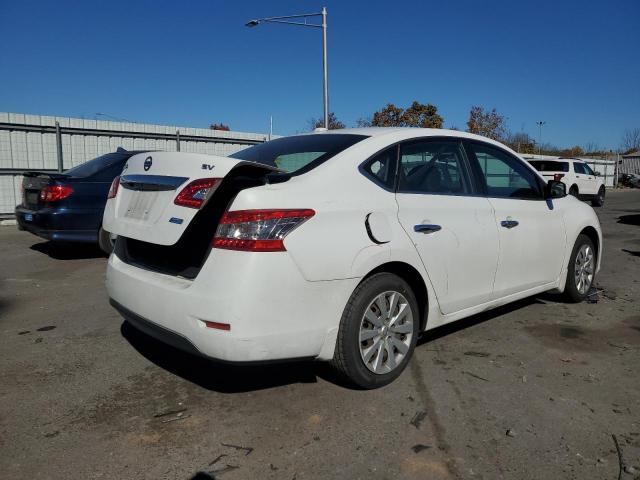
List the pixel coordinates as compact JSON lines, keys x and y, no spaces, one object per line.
{"x":573,"y":64}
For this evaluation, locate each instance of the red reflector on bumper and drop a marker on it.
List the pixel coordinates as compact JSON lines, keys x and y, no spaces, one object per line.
{"x":216,"y":325}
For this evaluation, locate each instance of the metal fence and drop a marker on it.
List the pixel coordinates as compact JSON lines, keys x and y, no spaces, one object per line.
{"x":44,"y":143}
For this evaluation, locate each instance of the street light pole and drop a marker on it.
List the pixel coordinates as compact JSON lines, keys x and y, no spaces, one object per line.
{"x":540,"y":124}
{"x":325,"y":69}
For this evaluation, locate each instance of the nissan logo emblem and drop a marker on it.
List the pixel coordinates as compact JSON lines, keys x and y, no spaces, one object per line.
{"x":147,"y":163}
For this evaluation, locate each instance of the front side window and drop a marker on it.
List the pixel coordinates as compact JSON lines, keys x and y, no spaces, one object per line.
{"x":505,"y":176}
{"x":300,"y":153}
{"x":435,"y":167}
{"x":579,"y":168}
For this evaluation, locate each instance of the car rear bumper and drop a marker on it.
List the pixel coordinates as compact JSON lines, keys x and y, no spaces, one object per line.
{"x":273,"y":312}
{"x":63,"y":225}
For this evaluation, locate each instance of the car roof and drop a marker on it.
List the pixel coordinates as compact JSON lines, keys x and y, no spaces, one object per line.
{"x":407,"y":133}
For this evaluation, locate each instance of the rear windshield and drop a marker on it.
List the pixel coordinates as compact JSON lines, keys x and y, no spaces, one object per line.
{"x":299,"y":154}
{"x":549,"y":166}
{"x":94,"y":166}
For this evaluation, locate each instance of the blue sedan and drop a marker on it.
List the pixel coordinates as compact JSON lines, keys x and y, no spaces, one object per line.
{"x":68,"y":206}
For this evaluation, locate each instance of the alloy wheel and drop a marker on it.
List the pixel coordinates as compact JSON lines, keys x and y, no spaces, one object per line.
{"x":584,"y":269}
{"x":386,"y":330}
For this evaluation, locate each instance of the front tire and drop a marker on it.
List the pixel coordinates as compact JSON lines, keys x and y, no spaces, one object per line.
{"x":105,"y":241}
{"x":581,"y":270}
{"x":378,"y":332}
{"x":598,"y":201}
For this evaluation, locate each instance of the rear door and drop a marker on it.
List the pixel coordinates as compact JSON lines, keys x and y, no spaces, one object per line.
{"x":531,"y":229}
{"x":452,"y":229}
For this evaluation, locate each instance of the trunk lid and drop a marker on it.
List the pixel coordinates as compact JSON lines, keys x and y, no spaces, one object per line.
{"x":144,"y":208}
{"x":33,"y":183}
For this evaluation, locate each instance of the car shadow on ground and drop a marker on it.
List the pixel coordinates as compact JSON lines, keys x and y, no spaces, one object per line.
{"x":68,"y":251}
{"x":468,"y":322}
{"x":218,"y":376}
{"x":226,"y":378}
{"x":629,"y":219}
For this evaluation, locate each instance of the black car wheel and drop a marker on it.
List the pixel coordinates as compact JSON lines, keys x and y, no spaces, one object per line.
{"x":598,"y":201}
{"x":378,"y":332}
{"x":574,"y":191}
{"x":581,"y":270}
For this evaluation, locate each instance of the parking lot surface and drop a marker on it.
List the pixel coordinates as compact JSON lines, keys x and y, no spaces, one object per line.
{"x":538,"y":389}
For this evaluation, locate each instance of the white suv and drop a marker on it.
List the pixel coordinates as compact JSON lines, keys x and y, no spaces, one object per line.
{"x":341,"y":246}
{"x":581,"y":181}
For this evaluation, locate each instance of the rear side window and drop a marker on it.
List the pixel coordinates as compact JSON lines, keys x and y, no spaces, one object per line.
{"x":299,"y":154}
{"x":505,"y":176}
{"x":435,"y":167}
{"x":549,"y":165}
{"x":382,"y":167}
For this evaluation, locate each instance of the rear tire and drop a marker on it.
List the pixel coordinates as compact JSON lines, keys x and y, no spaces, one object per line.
{"x":598,"y":201}
{"x":105,"y":241}
{"x":581,"y":270}
{"x":378,"y":332}
{"x":574,"y":191}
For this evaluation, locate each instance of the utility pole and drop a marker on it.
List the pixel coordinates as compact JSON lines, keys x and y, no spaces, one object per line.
{"x":540,"y":124}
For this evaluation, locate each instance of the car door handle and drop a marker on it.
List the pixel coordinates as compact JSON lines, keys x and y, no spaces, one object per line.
{"x":509,"y":223}
{"x":426,"y":228}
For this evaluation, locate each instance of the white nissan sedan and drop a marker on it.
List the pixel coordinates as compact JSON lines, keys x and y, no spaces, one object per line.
{"x":340,"y":246}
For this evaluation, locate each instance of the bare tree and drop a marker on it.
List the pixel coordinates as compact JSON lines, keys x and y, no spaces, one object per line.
{"x":334,"y":123}
{"x":591,"y":147}
{"x":363,"y":122}
{"x":631,"y":140}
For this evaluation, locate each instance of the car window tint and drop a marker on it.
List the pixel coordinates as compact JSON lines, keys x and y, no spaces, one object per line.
{"x":111,"y":172}
{"x":432,"y":167}
{"x":588,"y":170}
{"x":300,"y":153}
{"x":579,"y":168}
{"x":94,"y":166}
{"x":505,"y":175}
{"x":382,"y":167}
{"x":549,"y":166}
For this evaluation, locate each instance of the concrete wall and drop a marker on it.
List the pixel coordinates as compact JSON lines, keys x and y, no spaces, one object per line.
{"x":28,"y":142}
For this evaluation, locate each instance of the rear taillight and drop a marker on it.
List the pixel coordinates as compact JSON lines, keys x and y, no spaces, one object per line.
{"x":113,"y":190}
{"x":53,"y":193}
{"x":195,"y":193}
{"x":558,"y":176}
{"x":258,"y":230}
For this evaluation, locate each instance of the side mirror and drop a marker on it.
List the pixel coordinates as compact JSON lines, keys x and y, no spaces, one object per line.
{"x":555,"y":189}
{"x":597,"y":174}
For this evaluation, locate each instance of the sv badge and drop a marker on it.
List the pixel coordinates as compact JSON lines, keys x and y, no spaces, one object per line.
{"x":206,"y":166}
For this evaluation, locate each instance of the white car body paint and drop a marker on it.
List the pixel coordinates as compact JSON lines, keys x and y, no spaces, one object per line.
{"x":289,"y":304}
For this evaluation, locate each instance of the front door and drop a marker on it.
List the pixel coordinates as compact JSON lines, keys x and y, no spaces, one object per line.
{"x":453,"y":231}
{"x":531,"y":229}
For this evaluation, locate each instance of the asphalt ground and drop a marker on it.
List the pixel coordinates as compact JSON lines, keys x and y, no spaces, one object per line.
{"x":537,"y":389}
